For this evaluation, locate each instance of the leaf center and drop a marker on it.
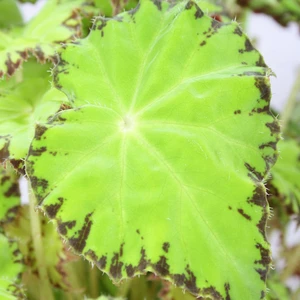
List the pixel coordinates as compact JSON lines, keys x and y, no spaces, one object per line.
{"x":127,"y":124}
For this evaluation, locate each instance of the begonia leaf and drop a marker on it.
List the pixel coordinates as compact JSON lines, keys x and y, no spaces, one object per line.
{"x":22,"y":105}
{"x":160,"y":167}
{"x":57,"y":258}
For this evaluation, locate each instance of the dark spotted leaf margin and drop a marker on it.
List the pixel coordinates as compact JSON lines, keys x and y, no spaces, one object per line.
{"x":136,"y":184}
{"x":41,"y":36}
{"x":22,"y":105}
{"x":9,"y":194}
{"x":11,"y":259}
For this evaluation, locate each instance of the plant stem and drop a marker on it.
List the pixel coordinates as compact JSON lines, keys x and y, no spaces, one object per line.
{"x":138,"y":288}
{"x":35,"y":223}
{"x":124,"y":288}
{"x":94,"y":282}
{"x":288,"y":109}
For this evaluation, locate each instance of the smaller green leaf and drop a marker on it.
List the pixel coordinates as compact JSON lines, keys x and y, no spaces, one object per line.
{"x":11,"y":268}
{"x":9,"y":193}
{"x":22,"y":105}
{"x":283,"y":11}
{"x":57,"y":257}
{"x":42,"y":35}
{"x":285,"y":182}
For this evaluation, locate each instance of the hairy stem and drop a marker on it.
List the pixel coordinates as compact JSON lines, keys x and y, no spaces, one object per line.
{"x":124,"y":288}
{"x":35,"y":223}
{"x":94,"y":282}
{"x":290,"y":103}
{"x":138,"y":288}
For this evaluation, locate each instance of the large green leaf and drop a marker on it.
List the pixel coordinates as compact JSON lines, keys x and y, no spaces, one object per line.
{"x":41,"y":36}
{"x":9,"y":193}
{"x":22,"y":105}
{"x":283,"y":11}
{"x":285,"y":180}
{"x":11,"y":268}
{"x":161,"y":166}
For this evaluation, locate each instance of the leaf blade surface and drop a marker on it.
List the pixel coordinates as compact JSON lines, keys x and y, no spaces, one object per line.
{"x":167,"y":149}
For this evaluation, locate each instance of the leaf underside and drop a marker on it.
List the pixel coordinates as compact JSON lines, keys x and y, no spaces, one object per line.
{"x":160,"y":166}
